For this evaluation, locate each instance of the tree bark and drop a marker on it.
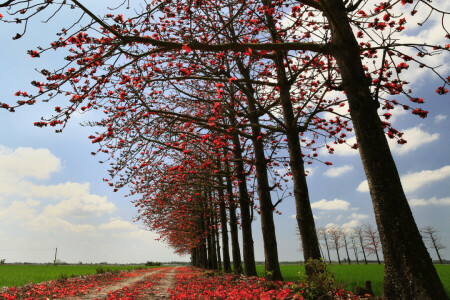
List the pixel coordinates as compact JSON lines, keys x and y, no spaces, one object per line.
{"x":304,"y":215}
{"x":346,"y":250}
{"x":235,"y":249}
{"x":244,"y":202}
{"x":409,"y":271}
{"x":223,"y":223}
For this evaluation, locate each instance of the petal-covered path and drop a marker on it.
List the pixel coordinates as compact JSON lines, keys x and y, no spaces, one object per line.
{"x":152,"y":284}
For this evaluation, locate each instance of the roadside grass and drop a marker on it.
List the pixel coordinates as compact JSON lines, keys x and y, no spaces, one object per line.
{"x":18,"y":275}
{"x":355,"y":275}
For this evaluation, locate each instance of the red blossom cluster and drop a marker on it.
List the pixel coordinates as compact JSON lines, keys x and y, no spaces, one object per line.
{"x":59,"y":289}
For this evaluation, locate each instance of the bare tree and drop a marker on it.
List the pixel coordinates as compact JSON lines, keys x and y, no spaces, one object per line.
{"x":359,"y":233}
{"x":372,"y":240}
{"x":323,"y":235}
{"x":335,"y":234}
{"x":432,"y":240}
{"x":346,"y":232}
{"x":353,"y":238}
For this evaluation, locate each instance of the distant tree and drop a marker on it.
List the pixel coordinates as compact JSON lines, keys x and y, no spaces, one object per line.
{"x":372,"y":240}
{"x":359,"y":233}
{"x":346,"y":232}
{"x":353,"y":238}
{"x":335,"y":234}
{"x":432,"y":240}
{"x":323,"y":235}
{"x":2,"y":261}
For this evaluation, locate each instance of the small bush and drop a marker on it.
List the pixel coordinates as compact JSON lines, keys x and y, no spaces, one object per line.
{"x":101,"y":270}
{"x":62,"y":278}
{"x":318,"y":284}
{"x":152,"y":264}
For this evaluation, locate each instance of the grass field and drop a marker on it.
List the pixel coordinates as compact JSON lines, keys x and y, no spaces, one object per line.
{"x":354,"y":275}
{"x":17,"y":275}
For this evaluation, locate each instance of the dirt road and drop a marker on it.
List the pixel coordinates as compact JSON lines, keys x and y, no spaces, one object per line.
{"x":152,"y":284}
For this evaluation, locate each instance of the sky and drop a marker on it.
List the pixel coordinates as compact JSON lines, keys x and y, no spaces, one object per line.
{"x":52,"y":194}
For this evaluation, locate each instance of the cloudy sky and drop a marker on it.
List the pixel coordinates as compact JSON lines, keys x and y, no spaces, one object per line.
{"x":52,"y":193}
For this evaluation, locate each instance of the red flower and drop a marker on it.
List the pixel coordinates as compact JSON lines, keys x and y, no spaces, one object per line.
{"x":186,"y":48}
{"x":441,"y":90}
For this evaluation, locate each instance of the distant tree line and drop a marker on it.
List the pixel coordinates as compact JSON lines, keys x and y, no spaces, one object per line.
{"x":363,"y":241}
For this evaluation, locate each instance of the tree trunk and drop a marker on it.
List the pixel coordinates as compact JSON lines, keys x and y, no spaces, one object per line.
{"x":265,"y":200}
{"x":219,"y":259}
{"x":338,"y":257}
{"x":223,"y":223}
{"x":244,"y":202}
{"x":346,"y":250}
{"x":235,"y":249}
{"x":328,"y":249}
{"x":304,"y":215}
{"x":361,"y":242}
{"x":409,"y":271}
{"x":266,"y":207}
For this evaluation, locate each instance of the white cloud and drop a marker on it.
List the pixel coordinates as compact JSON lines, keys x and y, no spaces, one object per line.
{"x":338,"y":171}
{"x":432,"y":201}
{"x":118,"y":224}
{"x":355,"y":220}
{"x":439,"y":118}
{"x":358,"y":217}
{"x":351,"y":224}
{"x":414,"y":181}
{"x":27,"y":162}
{"x":415,"y":137}
{"x":81,"y":207}
{"x":335,"y":204}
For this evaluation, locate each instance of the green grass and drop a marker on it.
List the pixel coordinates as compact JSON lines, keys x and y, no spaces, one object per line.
{"x":355,"y":275}
{"x":17,"y":275}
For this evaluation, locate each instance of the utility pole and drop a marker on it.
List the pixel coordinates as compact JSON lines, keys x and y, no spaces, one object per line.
{"x":56,"y":251}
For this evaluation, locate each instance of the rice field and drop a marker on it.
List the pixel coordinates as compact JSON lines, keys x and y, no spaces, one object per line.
{"x":17,"y":275}
{"x":355,"y":275}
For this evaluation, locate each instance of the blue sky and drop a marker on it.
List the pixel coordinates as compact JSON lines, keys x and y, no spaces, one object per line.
{"x":52,"y":193}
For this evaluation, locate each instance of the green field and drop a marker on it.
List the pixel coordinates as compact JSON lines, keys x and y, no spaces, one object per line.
{"x":354,"y":275}
{"x":17,"y":275}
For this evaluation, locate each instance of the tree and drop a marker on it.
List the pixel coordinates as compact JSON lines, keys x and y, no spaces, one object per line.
{"x":353,"y":238}
{"x":410,"y":272}
{"x":335,"y":234}
{"x":359,"y":233}
{"x":323,"y":234}
{"x":372,"y":240}
{"x":431,"y":237}
{"x":346,"y":232}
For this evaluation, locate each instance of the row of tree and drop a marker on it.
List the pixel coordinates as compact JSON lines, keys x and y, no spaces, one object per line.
{"x":204,"y":101}
{"x":364,"y":239}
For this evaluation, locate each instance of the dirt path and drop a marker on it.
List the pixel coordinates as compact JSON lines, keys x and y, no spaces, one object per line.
{"x":166,"y":282}
{"x":157,"y":291}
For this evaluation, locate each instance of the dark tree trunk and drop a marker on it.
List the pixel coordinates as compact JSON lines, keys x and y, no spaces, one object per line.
{"x":346,"y":250}
{"x":439,"y":256}
{"x":244,"y":202}
{"x":219,"y":259}
{"x":223,"y":223}
{"x":202,"y":252}
{"x":409,"y":270}
{"x":194,"y":256}
{"x":361,"y":242}
{"x":304,"y":215}
{"x":272,"y":264}
{"x":266,"y":207}
{"x":355,"y":250}
{"x":235,"y":249}
{"x":338,"y":257}
{"x":328,"y":249}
